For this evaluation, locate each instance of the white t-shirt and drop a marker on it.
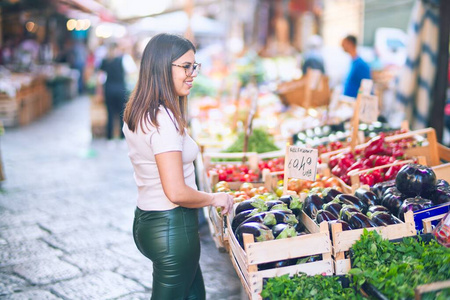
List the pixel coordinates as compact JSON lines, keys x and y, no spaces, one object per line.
{"x":142,"y":150}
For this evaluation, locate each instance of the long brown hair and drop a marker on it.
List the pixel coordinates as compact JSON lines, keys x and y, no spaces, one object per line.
{"x":155,"y":83}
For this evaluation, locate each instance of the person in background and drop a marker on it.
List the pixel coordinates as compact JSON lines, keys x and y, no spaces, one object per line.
{"x":359,"y":69}
{"x":116,"y":65}
{"x":77,"y":59}
{"x":313,"y":58}
{"x":165,"y":227}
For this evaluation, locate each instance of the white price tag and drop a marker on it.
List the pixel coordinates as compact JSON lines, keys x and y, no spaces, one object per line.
{"x":302,"y":163}
{"x":368,"y":112}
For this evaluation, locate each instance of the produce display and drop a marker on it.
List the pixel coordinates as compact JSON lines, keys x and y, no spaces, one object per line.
{"x":361,"y":210}
{"x":259,"y":141}
{"x":245,"y":192}
{"x":414,"y":188}
{"x":234,"y":172}
{"x":377,"y":153}
{"x":334,"y":137}
{"x":395,"y":269}
{"x":301,"y":286}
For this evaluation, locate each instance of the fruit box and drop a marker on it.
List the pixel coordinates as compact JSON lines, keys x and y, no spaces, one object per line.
{"x":433,"y":152}
{"x":250,"y":158}
{"x":343,"y":240}
{"x":246,"y":261}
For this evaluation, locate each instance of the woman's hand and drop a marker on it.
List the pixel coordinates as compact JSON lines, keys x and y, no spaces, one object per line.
{"x":223,"y":200}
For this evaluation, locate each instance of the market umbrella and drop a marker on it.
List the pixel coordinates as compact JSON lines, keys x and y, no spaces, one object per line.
{"x":416,"y":79}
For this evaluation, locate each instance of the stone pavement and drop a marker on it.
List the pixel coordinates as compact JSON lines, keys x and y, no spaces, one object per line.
{"x":66,"y":211}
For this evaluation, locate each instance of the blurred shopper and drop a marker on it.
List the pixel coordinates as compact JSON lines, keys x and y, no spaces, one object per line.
{"x":162,"y":153}
{"x":359,"y":69}
{"x":77,"y":59}
{"x":116,"y":65}
{"x":313,"y":58}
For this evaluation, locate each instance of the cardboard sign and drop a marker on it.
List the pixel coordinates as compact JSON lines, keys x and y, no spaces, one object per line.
{"x":368,"y":110}
{"x":301,"y":163}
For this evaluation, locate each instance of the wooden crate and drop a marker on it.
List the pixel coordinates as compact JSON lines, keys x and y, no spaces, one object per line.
{"x":245,"y":262}
{"x":9,"y":111}
{"x":442,"y":171}
{"x":343,"y":240}
{"x":431,"y":150}
{"x":236,"y":157}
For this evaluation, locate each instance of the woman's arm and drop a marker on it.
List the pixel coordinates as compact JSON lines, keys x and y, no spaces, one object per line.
{"x":170,"y":167}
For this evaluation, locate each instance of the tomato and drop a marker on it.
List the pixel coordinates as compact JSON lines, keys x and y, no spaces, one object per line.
{"x":295,"y":184}
{"x":317,"y":184}
{"x":331,"y":182}
{"x":262,"y":190}
{"x":246,"y":187}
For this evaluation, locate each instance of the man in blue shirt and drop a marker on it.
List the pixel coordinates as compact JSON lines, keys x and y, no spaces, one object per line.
{"x":359,"y":69}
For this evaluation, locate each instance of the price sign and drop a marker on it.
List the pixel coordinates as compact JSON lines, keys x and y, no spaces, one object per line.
{"x":301,"y":163}
{"x":368,"y":112}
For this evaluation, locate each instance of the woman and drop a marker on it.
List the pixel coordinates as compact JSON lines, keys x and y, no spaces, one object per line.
{"x":162,"y":153}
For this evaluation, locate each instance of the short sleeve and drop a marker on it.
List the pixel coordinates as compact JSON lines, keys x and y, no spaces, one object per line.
{"x":167,"y":138}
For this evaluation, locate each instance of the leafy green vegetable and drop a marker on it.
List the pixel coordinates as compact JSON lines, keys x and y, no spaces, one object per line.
{"x":259,"y":141}
{"x":301,"y":286}
{"x":397,"y":268}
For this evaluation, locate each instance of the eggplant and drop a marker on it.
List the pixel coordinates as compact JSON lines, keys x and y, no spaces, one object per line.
{"x":281,"y":207}
{"x":300,"y":227}
{"x":415,"y":180}
{"x":367,"y":197}
{"x":271,"y":218}
{"x":413,"y":204}
{"x":329,"y":194}
{"x":240,"y":218}
{"x":376,"y":208}
{"x":282,"y":231}
{"x":352,"y":200}
{"x":345,"y":225}
{"x":275,"y":264}
{"x":272,"y":203}
{"x":379,"y":188}
{"x":359,"y":220}
{"x":300,"y":233}
{"x":347,"y":211}
{"x":323,"y":215}
{"x":333,"y":208}
{"x":441,"y":195}
{"x":260,"y":231}
{"x":442,"y":183}
{"x":392,"y":200}
{"x":251,"y":204}
{"x":381,"y":218}
{"x":286,"y":199}
{"x":296,"y":206}
{"x":311,"y":205}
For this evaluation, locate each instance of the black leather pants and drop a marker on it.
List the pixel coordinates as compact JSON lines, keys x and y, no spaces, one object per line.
{"x":170,"y":240}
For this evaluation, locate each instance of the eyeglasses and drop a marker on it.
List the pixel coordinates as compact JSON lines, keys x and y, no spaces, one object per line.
{"x":190,"y":69}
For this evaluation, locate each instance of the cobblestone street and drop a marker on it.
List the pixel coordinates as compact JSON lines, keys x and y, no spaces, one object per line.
{"x":66,"y":211}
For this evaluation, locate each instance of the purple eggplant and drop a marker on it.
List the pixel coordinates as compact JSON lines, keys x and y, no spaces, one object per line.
{"x":311,"y":205}
{"x":376,"y":208}
{"x":379,"y":188}
{"x":240,"y":218}
{"x":323,"y":215}
{"x":367,"y":197}
{"x":300,"y":227}
{"x":352,"y":200}
{"x":442,"y":183}
{"x":276,"y":264}
{"x":345,"y":225}
{"x":415,"y":180}
{"x":333,"y":208}
{"x":441,"y":195}
{"x":286,"y":199}
{"x":359,"y":220}
{"x":329,"y":194}
{"x":296,"y":206}
{"x":381,"y":218}
{"x":260,"y":232}
{"x":282,"y":231}
{"x":251,"y":204}
{"x":392,"y":200}
{"x":272,"y":203}
{"x":413,"y":204}
{"x":347,"y":211}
